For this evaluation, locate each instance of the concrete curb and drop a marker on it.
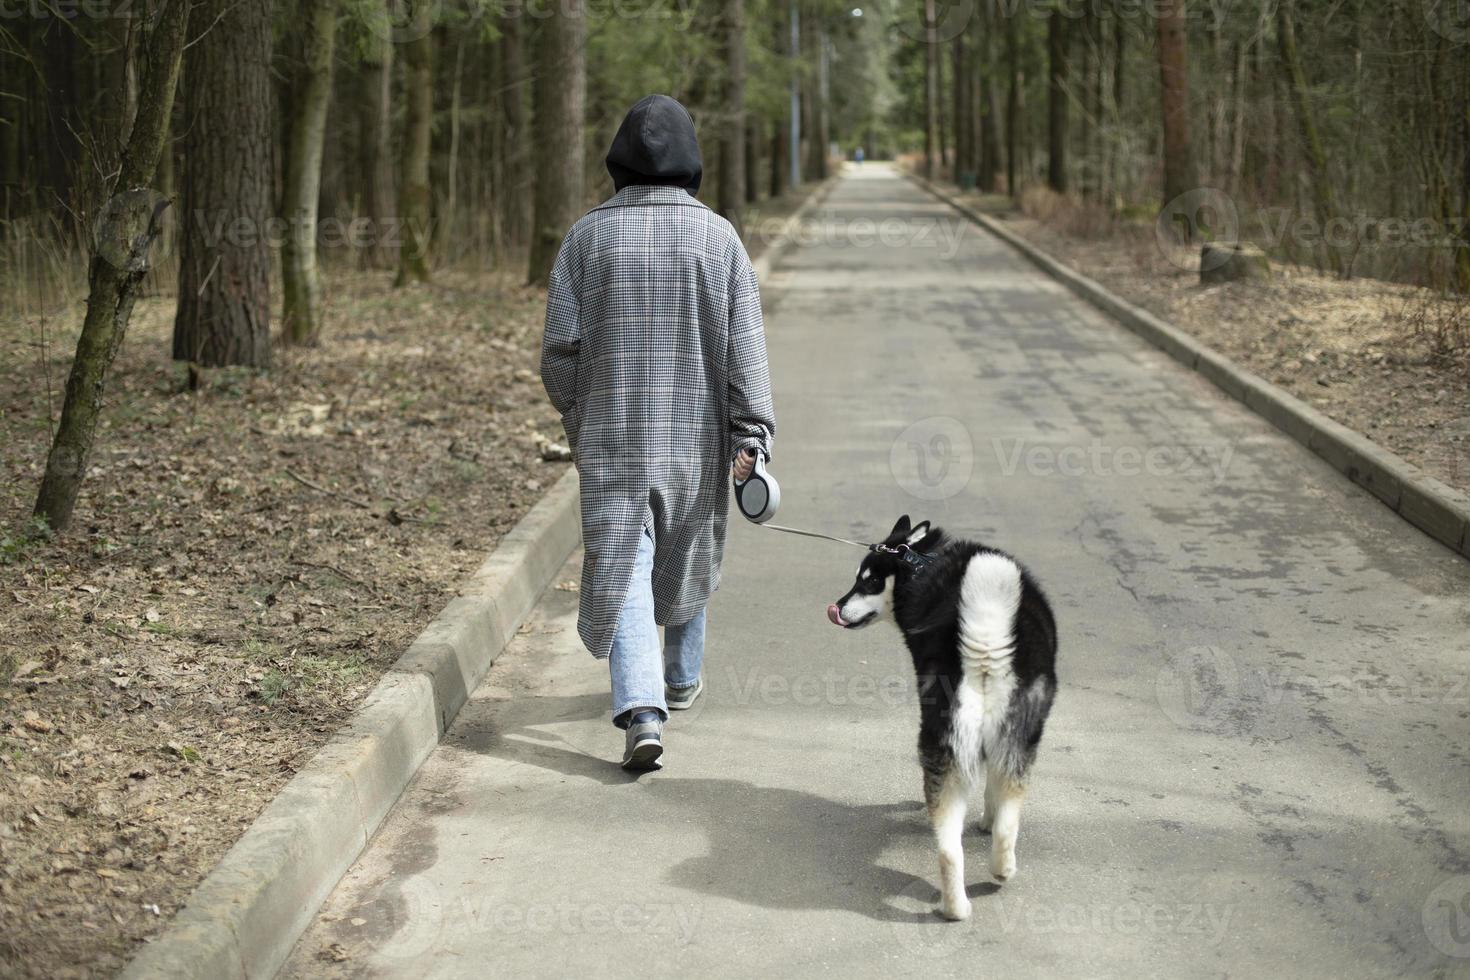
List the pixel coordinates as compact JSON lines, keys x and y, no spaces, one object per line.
{"x":244,"y":919}
{"x":1438,"y":510}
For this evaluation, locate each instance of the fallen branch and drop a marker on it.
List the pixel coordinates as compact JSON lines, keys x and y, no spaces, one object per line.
{"x":322,"y":566}
{"x":392,"y":515}
{"x":330,"y":493}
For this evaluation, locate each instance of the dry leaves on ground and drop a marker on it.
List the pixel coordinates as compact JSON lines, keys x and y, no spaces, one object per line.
{"x":244,"y":564}
{"x":1344,"y":347}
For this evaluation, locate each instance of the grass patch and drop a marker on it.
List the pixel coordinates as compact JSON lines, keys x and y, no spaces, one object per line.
{"x":17,"y":545}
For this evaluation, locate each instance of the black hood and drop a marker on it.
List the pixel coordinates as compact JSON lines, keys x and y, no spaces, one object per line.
{"x":656,"y":145}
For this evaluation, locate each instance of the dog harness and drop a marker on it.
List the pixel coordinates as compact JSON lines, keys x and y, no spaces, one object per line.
{"x":916,"y":560}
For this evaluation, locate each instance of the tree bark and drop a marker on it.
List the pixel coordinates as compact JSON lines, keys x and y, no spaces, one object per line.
{"x":1092,"y":118}
{"x":811,"y":99}
{"x":1238,"y":116}
{"x":960,"y":92}
{"x":1120,"y":56}
{"x":561,"y":94}
{"x":1462,"y":249}
{"x":779,"y":158}
{"x":300,"y":279}
{"x":1057,"y":56}
{"x":733,"y":160}
{"x":515,"y":190}
{"x":224,"y":264}
{"x":752,"y":159}
{"x":942,"y":103}
{"x":932,"y":143}
{"x":376,"y":148}
{"x":1311,"y":141}
{"x":989,"y":101}
{"x":117,"y":267}
{"x":824,"y":102}
{"x":451,"y":175}
{"x":1179,"y":173}
{"x":1013,"y":105}
{"x":415,"y":201}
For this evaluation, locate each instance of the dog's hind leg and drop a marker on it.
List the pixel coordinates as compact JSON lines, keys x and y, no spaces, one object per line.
{"x":1004,"y":815}
{"x":987,"y":819}
{"x":944,"y":791}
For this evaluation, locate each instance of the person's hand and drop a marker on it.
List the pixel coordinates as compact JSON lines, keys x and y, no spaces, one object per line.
{"x":744,"y":463}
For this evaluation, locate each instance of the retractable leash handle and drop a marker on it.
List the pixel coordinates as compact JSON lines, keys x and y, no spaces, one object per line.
{"x":758,"y":495}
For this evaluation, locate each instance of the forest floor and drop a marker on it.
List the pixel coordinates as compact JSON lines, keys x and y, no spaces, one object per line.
{"x":212,"y":617}
{"x":244,"y":564}
{"x":1364,"y":352}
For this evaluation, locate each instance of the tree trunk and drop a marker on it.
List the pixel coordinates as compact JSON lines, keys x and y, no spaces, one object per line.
{"x":1462,"y":249}
{"x":1218,"y":159}
{"x":811,"y":164}
{"x":1117,"y":144}
{"x":1013,"y":106}
{"x":300,"y":279}
{"x":960,"y":90}
{"x":732,"y":134}
{"x":377,"y":147}
{"x":415,"y":202}
{"x":1311,"y":140}
{"x":515,"y":192}
{"x":1093,"y":132}
{"x":1179,"y":174}
{"x":1120,"y":56}
{"x":794,"y":115}
{"x":944,"y":127}
{"x":1238,"y":117}
{"x":932,"y":143}
{"x":451,"y":174}
{"x":779,"y":151}
{"x":1057,"y":55}
{"x":823,"y":135}
{"x":224,"y":264}
{"x":989,"y":101}
{"x":752,"y":159}
{"x":118,"y":265}
{"x":561,"y":95}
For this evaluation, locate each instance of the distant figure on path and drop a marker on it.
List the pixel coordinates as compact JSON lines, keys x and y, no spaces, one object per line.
{"x":858,"y":155}
{"x":655,"y":355}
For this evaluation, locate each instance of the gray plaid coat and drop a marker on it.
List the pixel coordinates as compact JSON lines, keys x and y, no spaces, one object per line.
{"x":655,"y":355}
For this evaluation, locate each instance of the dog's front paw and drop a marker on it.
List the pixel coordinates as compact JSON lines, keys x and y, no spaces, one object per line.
{"x":957,"y":910}
{"x":1003,"y":865}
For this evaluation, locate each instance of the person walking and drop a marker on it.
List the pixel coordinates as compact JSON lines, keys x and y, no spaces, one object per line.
{"x":655,"y":356}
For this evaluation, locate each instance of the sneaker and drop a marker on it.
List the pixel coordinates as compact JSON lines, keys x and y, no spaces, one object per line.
{"x":644,"y":746}
{"x":683,"y":698}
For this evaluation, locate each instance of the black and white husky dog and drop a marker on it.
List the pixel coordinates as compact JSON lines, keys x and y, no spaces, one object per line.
{"x":984,"y":646}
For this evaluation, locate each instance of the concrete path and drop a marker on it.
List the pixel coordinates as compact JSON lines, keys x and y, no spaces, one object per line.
{"x":1256,"y":766}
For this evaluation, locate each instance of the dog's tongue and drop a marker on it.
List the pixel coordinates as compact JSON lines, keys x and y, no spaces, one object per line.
{"x":834,"y":615}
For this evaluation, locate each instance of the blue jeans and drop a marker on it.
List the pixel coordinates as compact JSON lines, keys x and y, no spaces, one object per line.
{"x":639,"y":664}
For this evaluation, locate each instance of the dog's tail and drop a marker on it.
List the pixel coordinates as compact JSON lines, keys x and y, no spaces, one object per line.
{"x":990,"y":594}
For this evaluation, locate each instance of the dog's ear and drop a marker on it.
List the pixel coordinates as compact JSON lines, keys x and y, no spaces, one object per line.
{"x":919,"y":533}
{"x":901,"y":529}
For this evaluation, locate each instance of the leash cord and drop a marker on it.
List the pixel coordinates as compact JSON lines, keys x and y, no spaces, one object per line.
{"x":814,"y":534}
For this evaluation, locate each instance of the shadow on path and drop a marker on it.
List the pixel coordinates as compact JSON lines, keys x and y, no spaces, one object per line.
{"x":769,"y":847}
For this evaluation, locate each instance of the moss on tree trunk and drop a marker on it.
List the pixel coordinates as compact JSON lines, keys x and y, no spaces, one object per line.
{"x":120,"y":260}
{"x":301,"y":282}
